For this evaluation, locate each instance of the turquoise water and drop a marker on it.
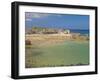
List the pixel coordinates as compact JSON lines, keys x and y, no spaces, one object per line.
{"x":69,"y":53}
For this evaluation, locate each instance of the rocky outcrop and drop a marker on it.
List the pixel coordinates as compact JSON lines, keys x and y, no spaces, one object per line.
{"x":28,"y":42}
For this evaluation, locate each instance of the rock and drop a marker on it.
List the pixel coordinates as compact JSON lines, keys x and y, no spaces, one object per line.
{"x":28,"y":42}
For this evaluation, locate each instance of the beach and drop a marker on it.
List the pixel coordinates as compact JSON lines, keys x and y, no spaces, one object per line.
{"x":56,"y":40}
{"x":54,"y":50}
{"x":43,"y":39}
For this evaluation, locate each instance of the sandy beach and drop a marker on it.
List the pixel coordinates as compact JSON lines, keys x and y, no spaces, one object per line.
{"x":50,"y":39}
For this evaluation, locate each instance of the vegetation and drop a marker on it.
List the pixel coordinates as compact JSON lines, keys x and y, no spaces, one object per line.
{"x":40,"y":30}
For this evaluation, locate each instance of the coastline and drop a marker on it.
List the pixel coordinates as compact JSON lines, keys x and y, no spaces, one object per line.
{"x":48,"y":39}
{"x":51,"y":48}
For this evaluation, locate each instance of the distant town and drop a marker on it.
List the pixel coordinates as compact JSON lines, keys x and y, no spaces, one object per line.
{"x":40,"y":30}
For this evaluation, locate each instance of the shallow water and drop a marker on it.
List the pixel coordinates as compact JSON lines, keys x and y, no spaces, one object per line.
{"x":69,"y":53}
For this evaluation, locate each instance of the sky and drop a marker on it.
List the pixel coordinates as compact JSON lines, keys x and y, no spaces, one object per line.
{"x":51,"y":20}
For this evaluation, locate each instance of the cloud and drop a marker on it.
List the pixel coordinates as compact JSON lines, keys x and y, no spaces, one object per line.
{"x":28,"y":19}
{"x":40,"y":15}
{"x":30,"y":15}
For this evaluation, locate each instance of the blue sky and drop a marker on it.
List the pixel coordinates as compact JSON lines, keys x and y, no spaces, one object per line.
{"x":65,"y":21}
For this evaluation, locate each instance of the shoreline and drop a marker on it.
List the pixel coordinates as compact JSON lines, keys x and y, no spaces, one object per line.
{"x":47,"y":39}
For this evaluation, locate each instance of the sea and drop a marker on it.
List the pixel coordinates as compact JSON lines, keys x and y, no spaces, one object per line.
{"x":68,"y":53}
{"x":82,"y":32}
